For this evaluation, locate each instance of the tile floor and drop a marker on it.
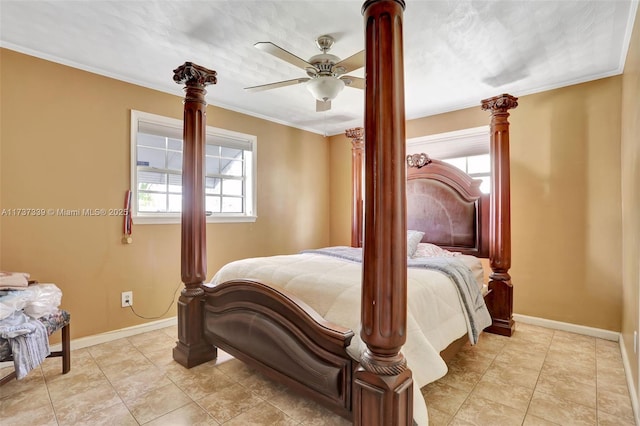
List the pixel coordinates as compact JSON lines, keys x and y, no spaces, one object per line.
{"x":537,"y":377}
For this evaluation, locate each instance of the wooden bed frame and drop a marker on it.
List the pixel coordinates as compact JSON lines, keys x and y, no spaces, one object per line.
{"x":278,"y":334}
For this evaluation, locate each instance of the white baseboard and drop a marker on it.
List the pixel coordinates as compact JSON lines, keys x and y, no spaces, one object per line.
{"x":96,"y":339}
{"x":565,"y":326}
{"x":632,"y":389}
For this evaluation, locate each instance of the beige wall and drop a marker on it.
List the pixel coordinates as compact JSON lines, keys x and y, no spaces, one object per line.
{"x":631,"y":197}
{"x":64,"y":143}
{"x":566,"y":214}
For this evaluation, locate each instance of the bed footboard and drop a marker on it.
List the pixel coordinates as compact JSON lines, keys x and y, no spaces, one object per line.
{"x":282,"y":337}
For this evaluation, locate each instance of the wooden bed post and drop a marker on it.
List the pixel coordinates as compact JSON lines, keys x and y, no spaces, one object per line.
{"x":357,"y":159}
{"x":500,"y":300}
{"x":383,"y":385}
{"x":191,"y":348}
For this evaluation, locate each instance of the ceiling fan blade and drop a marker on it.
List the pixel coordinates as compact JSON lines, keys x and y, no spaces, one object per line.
{"x":353,"y":62}
{"x":275,"y":85}
{"x":351,"y":81}
{"x":280,"y":53}
{"x":323,"y":106}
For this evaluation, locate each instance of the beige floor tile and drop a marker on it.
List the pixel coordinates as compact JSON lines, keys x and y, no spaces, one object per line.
{"x":564,"y":412}
{"x":264,"y":414}
{"x":520,"y":358}
{"x":117,"y":414}
{"x":31,"y":382}
{"x":497,"y":391}
{"x":529,"y":346}
{"x":80,"y":359}
{"x":615,"y":402}
{"x":163,"y":359}
{"x":568,"y":388}
{"x":488,"y":344}
{"x":72,"y":409}
{"x":568,"y":373}
{"x":156,"y":403}
{"x":531,"y":420}
{"x":236,"y":370}
{"x":574,"y":339}
{"x":171,"y":331}
{"x":580,"y":362}
{"x":139,"y":382}
{"x":42,"y":415}
{"x":126,"y":355}
{"x":605,"y":419}
{"x":105,"y":351}
{"x":31,"y":399}
{"x":512,"y":374}
{"x":261,"y":386}
{"x":152,"y":341}
{"x":304,"y":410}
{"x":611,"y":374}
{"x":438,"y":418}
{"x":73,"y":384}
{"x":607,"y":350}
{"x":443,"y":397}
{"x":189,"y":415}
{"x":533,"y":332}
{"x":198,"y":383}
{"x":483,"y":412}
{"x":229,"y":402}
{"x":461,"y":378}
{"x":471,"y":360}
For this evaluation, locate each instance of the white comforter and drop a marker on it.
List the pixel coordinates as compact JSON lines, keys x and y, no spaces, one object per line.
{"x":331,"y":286}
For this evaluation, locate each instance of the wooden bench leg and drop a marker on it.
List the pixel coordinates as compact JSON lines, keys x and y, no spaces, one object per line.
{"x":66,"y":349}
{"x":9,"y":377}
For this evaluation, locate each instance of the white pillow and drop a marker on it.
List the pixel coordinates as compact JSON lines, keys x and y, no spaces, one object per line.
{"x":432,"y":250}
{"x":413,"y":239}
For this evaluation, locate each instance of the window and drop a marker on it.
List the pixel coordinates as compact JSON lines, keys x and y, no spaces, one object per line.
{"x":476,"y":166}
{"x":466,"y":149}
{"x":156,"y":171}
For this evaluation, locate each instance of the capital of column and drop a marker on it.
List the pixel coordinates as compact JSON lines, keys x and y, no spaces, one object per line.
{"x":500,"y":103}
{"x":356,"y":135}
{"x":194,"y":75}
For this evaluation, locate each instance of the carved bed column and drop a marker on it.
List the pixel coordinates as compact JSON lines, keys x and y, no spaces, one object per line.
{"x":191,"y":348}
{"x":500,"y":300}
{"x":383,"y":385}
{"x":357,"y":162}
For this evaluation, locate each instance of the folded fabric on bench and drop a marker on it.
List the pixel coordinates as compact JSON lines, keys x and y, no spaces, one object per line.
{"x":28,"y":340}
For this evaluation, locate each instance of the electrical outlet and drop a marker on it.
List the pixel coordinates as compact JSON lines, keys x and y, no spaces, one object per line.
{"x":635,"y":341}
{"x":127,"y":298}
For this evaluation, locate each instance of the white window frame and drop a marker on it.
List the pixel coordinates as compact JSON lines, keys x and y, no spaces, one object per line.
{"x":174,"y":130}
{"x":457,"y":144}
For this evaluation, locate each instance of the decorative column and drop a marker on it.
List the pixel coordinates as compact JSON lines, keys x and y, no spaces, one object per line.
{"x":500,"y":300}
{"x":191,"y":348}
{"x":357,"y":158}
{"x":383,"y":385}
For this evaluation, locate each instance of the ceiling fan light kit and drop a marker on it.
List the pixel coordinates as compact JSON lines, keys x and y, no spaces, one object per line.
{"x":325,"y":87}
{"x":325,"y":71}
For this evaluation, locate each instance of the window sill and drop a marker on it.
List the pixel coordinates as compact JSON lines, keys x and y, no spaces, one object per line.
{"x":164,"y":220}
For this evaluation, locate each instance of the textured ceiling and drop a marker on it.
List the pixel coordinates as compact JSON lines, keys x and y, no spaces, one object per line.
{"x":456,"y":52}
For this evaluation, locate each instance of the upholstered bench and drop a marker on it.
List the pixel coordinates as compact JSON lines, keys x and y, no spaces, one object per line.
{"x":59,"y":320}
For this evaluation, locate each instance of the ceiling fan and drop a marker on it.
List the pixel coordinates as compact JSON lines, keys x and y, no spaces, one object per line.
{"x":326,"y":71}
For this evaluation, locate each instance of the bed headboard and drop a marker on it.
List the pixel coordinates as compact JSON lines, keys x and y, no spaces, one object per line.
{"x":447,"y":205}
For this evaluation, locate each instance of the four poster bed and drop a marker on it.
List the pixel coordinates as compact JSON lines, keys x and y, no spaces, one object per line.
{"x":343,"y":352}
